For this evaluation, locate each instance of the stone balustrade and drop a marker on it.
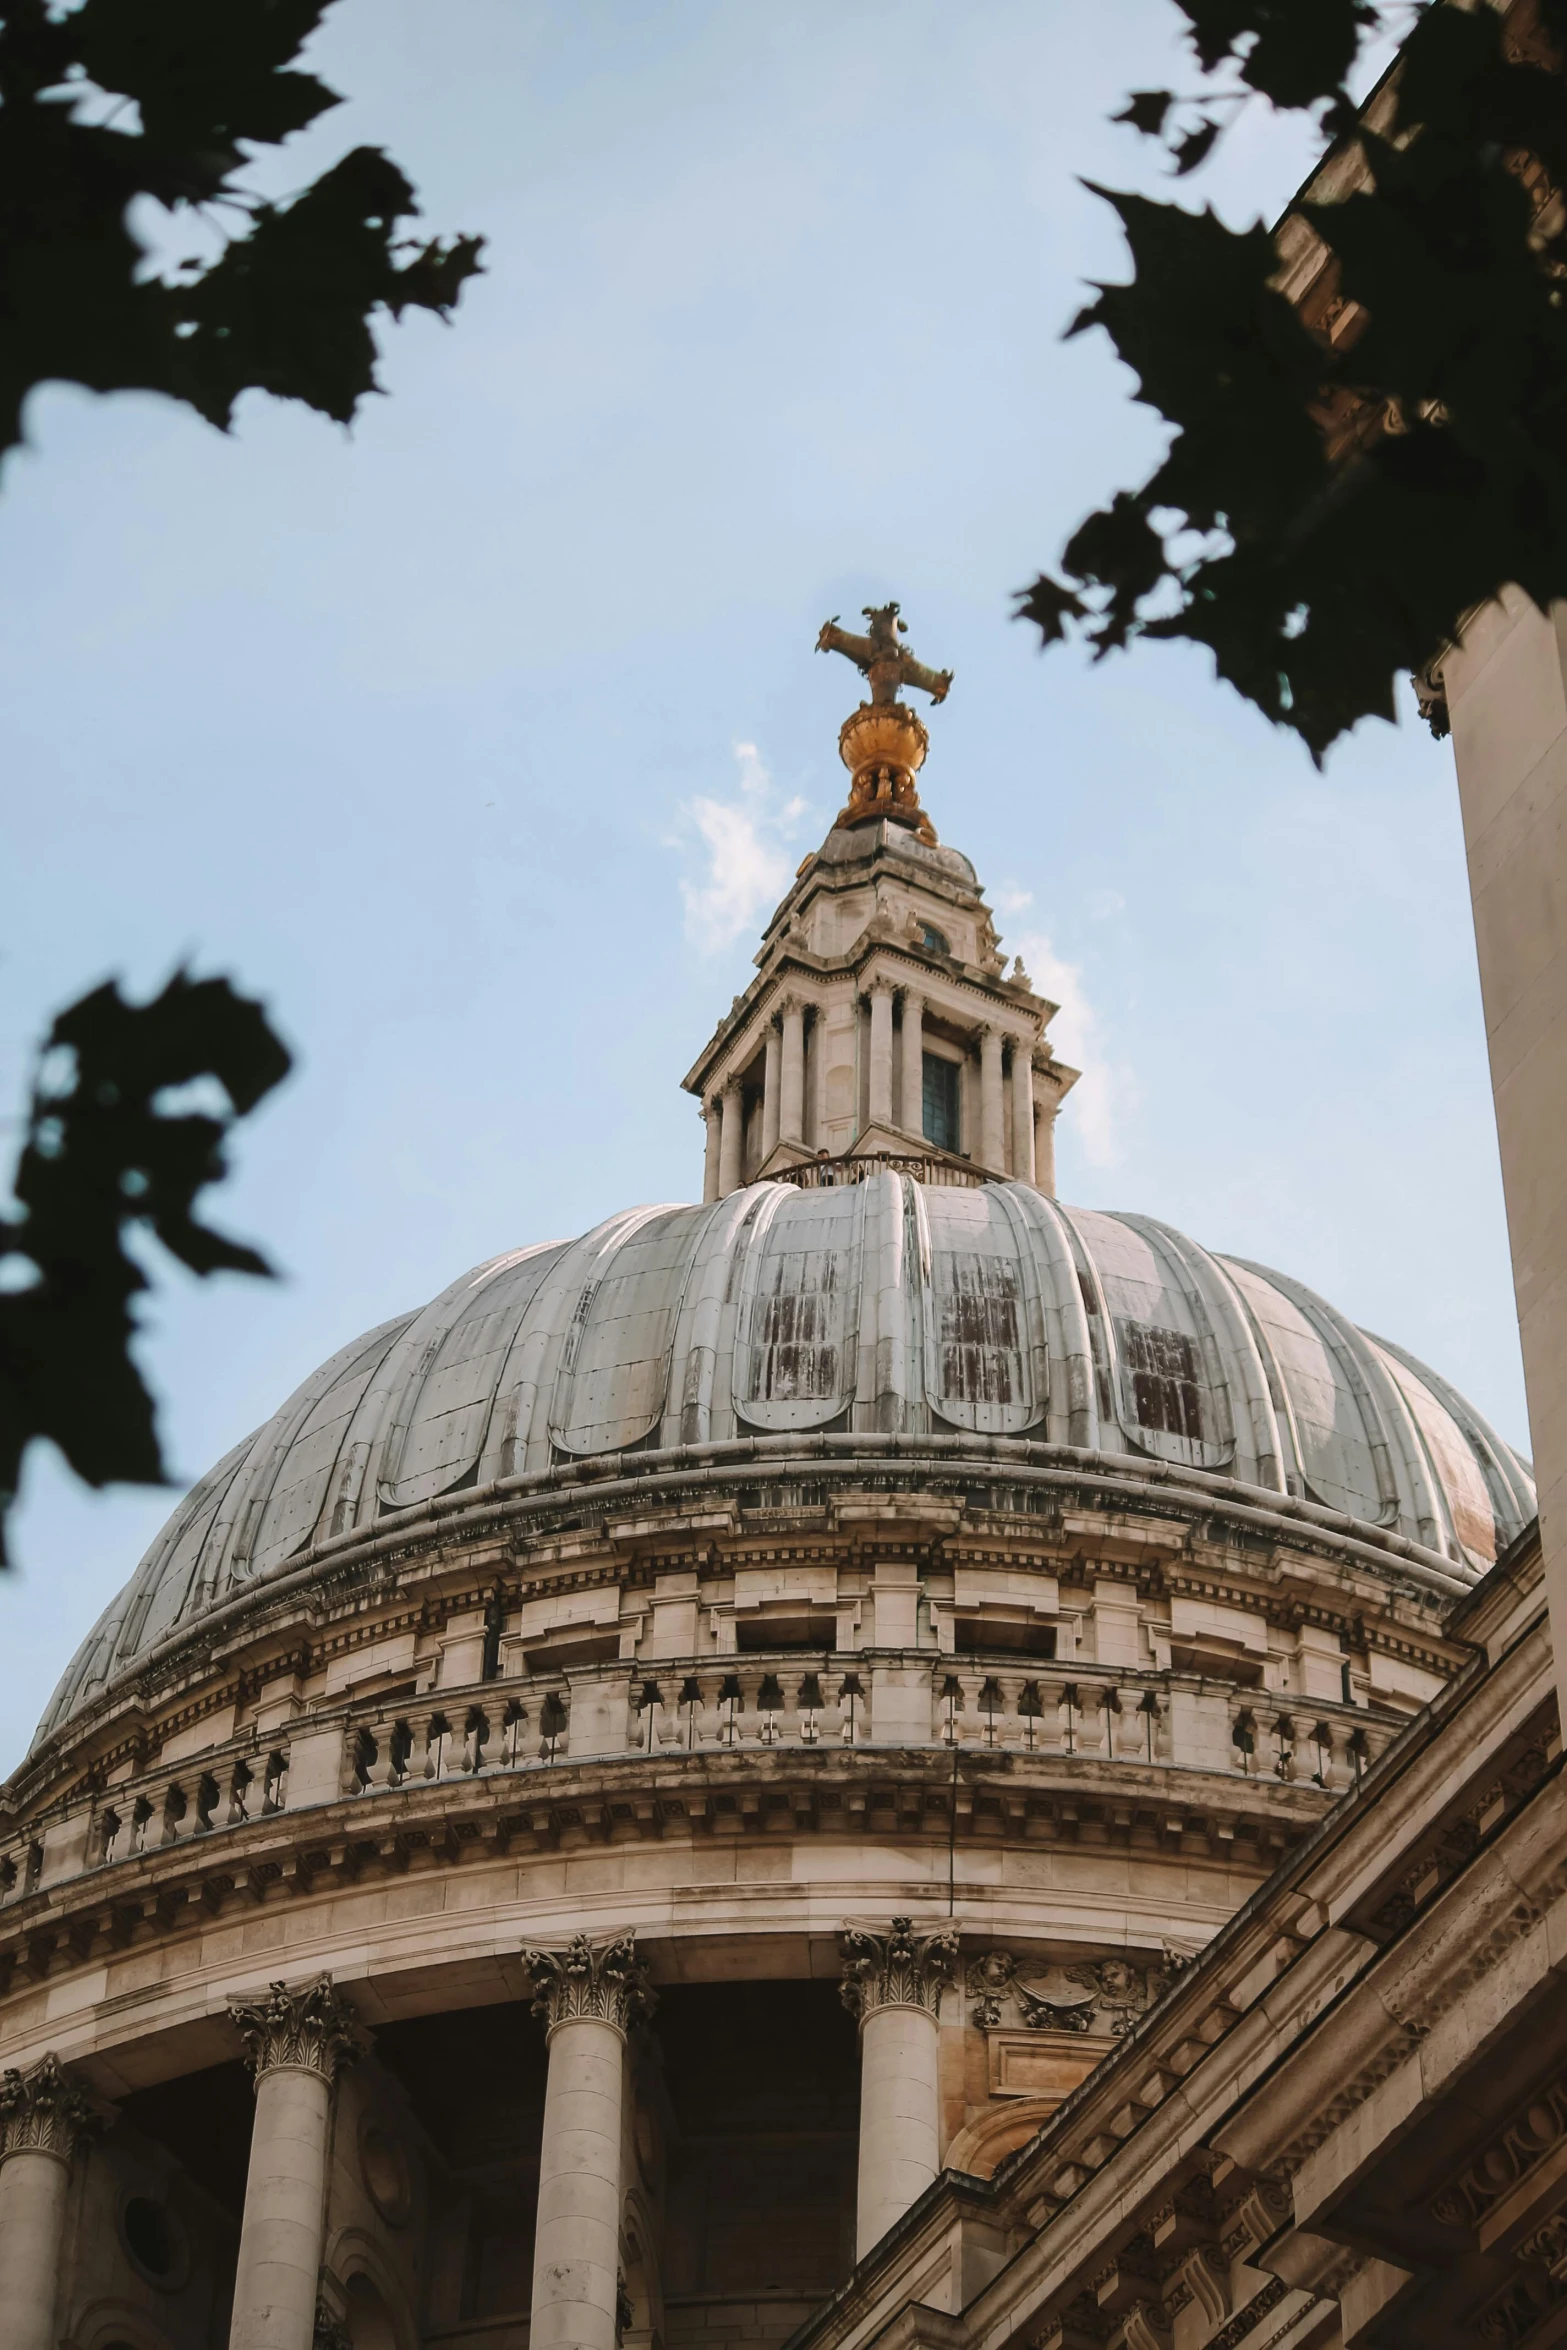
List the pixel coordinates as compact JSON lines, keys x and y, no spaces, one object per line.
{"x":1077,"y":1713}
{"x":224,"y":1788}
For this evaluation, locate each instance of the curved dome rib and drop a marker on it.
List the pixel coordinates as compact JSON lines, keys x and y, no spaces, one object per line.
{"x":886,"y":1307}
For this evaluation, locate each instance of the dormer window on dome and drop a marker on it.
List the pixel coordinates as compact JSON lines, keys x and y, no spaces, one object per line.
{"x":881,"y":1026}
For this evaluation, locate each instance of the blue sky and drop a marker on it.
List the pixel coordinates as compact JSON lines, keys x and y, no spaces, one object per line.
{"x":481,"y":739}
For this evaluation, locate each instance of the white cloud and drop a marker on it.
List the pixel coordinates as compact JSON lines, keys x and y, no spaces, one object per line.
{"x":1094,"y":1105}
{"x":748,"y":864}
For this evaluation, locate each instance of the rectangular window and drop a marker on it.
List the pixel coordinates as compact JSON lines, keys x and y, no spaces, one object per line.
{"x":940,"y":1124}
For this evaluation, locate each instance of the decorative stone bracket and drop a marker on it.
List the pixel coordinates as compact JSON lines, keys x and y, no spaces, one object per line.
{"x":907,"y":1967}
{"x":308,"y":2029}
{"x":45,"y":2111}
{"x":603,"y":1979}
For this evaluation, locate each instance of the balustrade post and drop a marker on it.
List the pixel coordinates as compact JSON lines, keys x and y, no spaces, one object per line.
{"x":893,"y":1982}
{"x":588,"y":1996}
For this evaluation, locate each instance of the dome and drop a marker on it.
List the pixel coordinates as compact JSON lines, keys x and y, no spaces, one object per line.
{"x":886,"y":1306}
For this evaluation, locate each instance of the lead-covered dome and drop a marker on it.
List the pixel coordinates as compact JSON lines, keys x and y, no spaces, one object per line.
{"x":887,"y":1305}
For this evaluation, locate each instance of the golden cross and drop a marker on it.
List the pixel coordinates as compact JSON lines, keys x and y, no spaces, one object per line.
{"x":880,"y":657}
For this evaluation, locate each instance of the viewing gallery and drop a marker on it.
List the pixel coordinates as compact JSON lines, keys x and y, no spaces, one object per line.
{"x":647,"y":1804}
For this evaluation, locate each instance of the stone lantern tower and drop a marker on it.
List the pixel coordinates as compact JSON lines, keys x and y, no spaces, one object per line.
{"x":882,"y":1023}
{"x":642,"y":1764}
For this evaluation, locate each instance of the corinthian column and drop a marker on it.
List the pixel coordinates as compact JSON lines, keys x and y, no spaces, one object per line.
{"x":710,"y":1128}
{"x":991,"y":1152}
{"x":296,"y":2042}
{"x":44,"y":2119}
{"x":912,"y":1105}
{"x":587,"y":1995}
{"x":1022,"y":1113}
{"x":772,"y":1069}
{"x":731,"y":1140}
{"x":791,"y":1104}
{"x":893,"y":1983}
{"x":881,"y":1053}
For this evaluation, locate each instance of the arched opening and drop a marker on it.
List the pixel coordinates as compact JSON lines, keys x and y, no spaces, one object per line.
{"x":369,"y":2321}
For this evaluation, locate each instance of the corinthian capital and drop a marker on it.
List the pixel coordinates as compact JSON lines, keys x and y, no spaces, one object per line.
{"x":603,"y":1980}
{"x":310,"y":2029}
{"x":908,"y":1967}
{"x":45,"y":2111}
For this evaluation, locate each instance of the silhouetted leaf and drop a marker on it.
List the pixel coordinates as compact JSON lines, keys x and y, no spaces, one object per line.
{"x":287,"y":306}
{"x":1290,"y":51}
{"x":1050,"y":606}
{"x":1145,"y":110}
{"x":1194,"y":148}
{"x":106,"y":1151}
{"x":1353,"y":497}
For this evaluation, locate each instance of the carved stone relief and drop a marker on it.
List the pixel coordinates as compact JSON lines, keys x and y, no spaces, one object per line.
{"x":1104,"y":1996}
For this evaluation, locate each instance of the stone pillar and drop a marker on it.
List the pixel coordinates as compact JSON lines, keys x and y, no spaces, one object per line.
{"x":791,"y":1101}
{"x":296,"y":2042}
{"x":911,"y":1108}
{"x":1506,"y":689}
{"x":770,"y":1083}
{"x":893,"y":1983}
{"x":588,"y":1996}
{"x":992,"y":1151}
{"x":1022,"y":1113}
{"x":44,"y":2119}
{"x":1045,"y":1150}
{"x":881,"y":1053}
{"x":731,"y":1139}
{"x":711,"y":1121}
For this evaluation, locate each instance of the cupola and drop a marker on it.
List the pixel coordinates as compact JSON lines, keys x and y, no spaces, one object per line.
{"x":882,"y":1027}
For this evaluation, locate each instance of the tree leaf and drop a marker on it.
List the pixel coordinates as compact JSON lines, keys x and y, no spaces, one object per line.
{"x":1195,"y":147}
{"x":288,"y":305}
{"x":1350,"y":497}
{"x":1050,"y":605}
{"x":1145,"y":110}
{"x":105,"y":1151}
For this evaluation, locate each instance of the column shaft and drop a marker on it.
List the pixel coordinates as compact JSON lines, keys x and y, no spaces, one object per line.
{"x":1045,"y":1154}
{"x":1022,"y":1114}
{"x":285,"y":2213}
{"x":33,"y":2188}
{"x":991,"y":1151}
{"x":881,"y":1055}
{"x":710,"y":1123}
{"x":911,"y":1109}
{"x":731,"y":1140}
{"x":297,"y":2040}
{"x":770,"y":1083}
{"x":791,"y":1105}
{"x":900,"y":2117}
{"x":577,"y":2253}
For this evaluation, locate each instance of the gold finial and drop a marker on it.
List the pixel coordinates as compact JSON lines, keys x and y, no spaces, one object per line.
{"x":882,"y":743}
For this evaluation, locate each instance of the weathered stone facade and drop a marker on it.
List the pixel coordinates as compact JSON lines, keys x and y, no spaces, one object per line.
{"x":650,"y":1782}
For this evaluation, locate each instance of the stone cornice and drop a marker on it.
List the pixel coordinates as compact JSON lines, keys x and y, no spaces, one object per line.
{"x":46,"y":2111}
{"x":838,"y":1794}
{"x":599,"y":1980}
{"x":273,"y":1616}
{"x":310,"y":2028}
{"x":795,"y":970}
{"x":902,"y":1966}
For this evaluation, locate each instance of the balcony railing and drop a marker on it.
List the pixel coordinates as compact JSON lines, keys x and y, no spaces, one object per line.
{"x":670,"y":1707}
{"x":825,"y":1174}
